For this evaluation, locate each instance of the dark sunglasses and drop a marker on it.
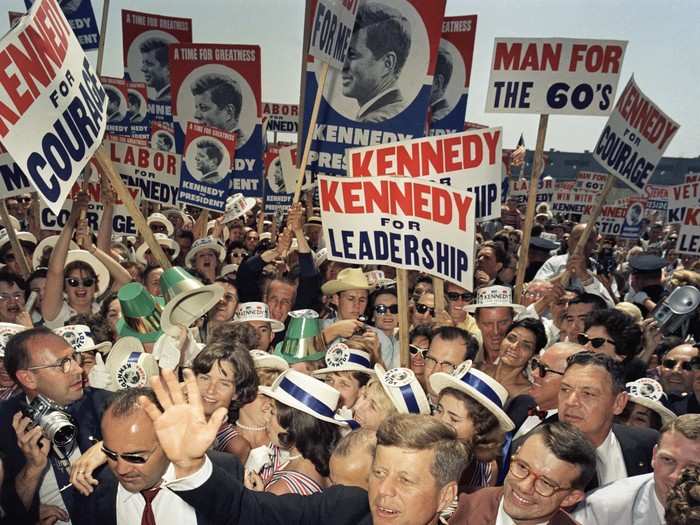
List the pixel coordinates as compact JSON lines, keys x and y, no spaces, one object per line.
{"x":688,"y":366}
{"x":136,"y":459}
{"x":382,"y":309}
{"x":466,"y":297}
{"x":596,"y":342}
{"x":422,"y":308}
{"x":24,"y":200}
{"x":416,"y":350}
{"x":543,"y":370}
{"x":74,"y":282}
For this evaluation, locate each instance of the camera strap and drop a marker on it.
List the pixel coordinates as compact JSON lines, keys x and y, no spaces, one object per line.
{"x":60,"y":469}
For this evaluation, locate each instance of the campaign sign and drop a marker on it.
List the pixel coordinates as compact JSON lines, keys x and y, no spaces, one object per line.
{"x":281,"y":117}
{"x":634,"y":138}
{"x":145,"y":39}
{"x":520,"y":190}
{"x":137,"y":116}
{"x":331,"y":30}
{"x":402,"y":222}
{"x":290,"y":172}
{"x":278,"y":197}
{"x":81,"y":18}
{"x":554,"y":76}
{"x":12,"y":181}
{"x":206,"y":167}
{"x":689,"y":234}
{"x":469,"y":161}
{"x":380,"y":95}
{"x":682,"y":198}
{"x":692,"y":177}
{"x":611,"y":219}
{"x":657,"y":198}
{"x":634,"y":214}
{"x":589,"y":181}
{"x":14,"y":17}
{"x":156,"y":173}
{"x":52,"y":105}
{"x":117,"y":106}
{"x":219,"y":86}
{"x":162,"y":136}
{"x":453,"y":68}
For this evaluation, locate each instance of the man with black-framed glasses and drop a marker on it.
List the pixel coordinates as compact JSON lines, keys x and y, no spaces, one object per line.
{"x":548,"y":472}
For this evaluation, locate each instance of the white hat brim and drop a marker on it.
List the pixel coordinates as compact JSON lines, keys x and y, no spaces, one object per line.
{"x":164,"y":221}
{"x":471,"y":308}
{"x":441,"y":380}
{"x":655,"y":406}
{"x":103,"y":347}
{"x":215,"y":246}
{"x":347,"y":367}
{"x":94,"y":263}
{"x":271,"y":361}
{"x":170,"y":243}
{"x":211,"y":294}
{"x":288,"y":400}
{"x":249,"y":205}
{"x":275,"y":325}
{"x":422,"y":401}
{"x":48,"y":242}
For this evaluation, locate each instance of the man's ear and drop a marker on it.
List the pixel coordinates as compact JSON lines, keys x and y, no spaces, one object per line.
{"x":572,"y":499}
{"x":447,"y":495}
{"x":335,"y":298}
{"x":391,"y":62}
{"x":26,"y":379}
{"x":620,"y":403}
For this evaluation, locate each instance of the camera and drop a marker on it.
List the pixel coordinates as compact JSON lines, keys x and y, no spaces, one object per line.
{"x":676,"y":310}
{"x":57,"y":424}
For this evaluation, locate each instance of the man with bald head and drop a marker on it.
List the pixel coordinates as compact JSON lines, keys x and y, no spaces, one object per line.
{"x":676,"y":372}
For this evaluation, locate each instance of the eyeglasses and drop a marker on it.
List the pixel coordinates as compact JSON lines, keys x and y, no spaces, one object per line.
{"x":17,"y":296}
{"x":416,"y":350}
{"x":159,"y":228}
{"x":454,"y":296}
{"x":422,"y":308}
{"x":596,"y":342}
{"x":382,"y":309}
{"x":64,"y":364}
{"x":520,"y":470}
{"x":542,"y":370}
{"x":136,"y":459}
{"x":445,"y":365}
{"x":688,"y":366}
{"x":24,"y":200}
{"x":74,"y":282}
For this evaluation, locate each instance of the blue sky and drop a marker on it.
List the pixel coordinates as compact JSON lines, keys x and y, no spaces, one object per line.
{"x":663,"y":51}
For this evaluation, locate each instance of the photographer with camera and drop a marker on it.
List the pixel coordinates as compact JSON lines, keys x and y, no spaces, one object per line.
{"x":46,"y":426}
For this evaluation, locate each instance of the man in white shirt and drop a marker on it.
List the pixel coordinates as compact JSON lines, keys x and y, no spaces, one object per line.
{"x":640,"y":500}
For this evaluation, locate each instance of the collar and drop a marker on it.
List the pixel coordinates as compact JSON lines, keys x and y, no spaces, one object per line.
{"x":607,"y":445}
{"x":123,"y":495}
{"x":371,"y":101}
{"x":164,"y":90}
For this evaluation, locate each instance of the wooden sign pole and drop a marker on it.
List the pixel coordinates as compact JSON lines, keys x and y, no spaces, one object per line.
{"x":439,"y":294}
{"x":14,"y":242}
{"x":537,"y":166}
{"x":404,"y":324}
{"x":119,"y":186}
{"x":103,"y":37}
{"x":310,"y":133}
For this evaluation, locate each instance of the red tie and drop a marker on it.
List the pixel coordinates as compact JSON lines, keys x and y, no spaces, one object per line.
{"x":148,"y":518}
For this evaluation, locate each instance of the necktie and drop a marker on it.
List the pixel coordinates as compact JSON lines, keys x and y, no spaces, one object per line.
{"x":533,"y":411}
{"x":148,"y":518}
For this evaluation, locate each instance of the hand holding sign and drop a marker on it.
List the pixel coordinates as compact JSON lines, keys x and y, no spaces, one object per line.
{"x":295,"y":219}
{"x":83,"y":236}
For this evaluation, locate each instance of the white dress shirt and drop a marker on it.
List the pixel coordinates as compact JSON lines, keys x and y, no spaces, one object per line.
{"x":48,"y":490}
{"x":531,"y":422}
{"x":503,"y":519}
{"x":168,"y":507}
{"x":557,"y":264}
{"x":609,"y":463}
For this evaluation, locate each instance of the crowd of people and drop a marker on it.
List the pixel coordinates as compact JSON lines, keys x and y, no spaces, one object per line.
{"x":251,"y":379}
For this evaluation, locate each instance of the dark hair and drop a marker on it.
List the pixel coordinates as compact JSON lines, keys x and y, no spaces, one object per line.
{"x":224,"y":91}
{"x":125,"y":402}
{"x":622,"y":329}
{"x":113,"y":95}
{"x":687,"y":425}
{"x":12,"y":278}
{"x":246,"y":380}
{"x":284,"y":279}
{"x":421,"y":331}
{"x":536,"y":327}
{"x":443,"y":66}
{"x":148,"y":270}
{"x":167,"y":140}
{"x":104,"y":305}
{"x":212,"y":150}
{"x":589,"y":298}
{"x":101,"y":331}
{"x":453,"y":333}
{"x":569,"y":444}
{"x":39,"y":273}
{"x":235,"y":334}
{"x":655,"y":421}
{"x":160,"y":47}
{"x":498,"y":250}
{"x":612,"y":367}
{"x":133,"y":98}
{"x":387,"y":30}
{"x":140,"y":268}
{"x":185,"y":234}
{"x":683,"y":500}
{"x":17,"y":349}
{"x":315,"y":439}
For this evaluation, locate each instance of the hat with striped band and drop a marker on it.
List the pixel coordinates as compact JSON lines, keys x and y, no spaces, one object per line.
{"x":341,"y":358}
{"x":404,"y":390}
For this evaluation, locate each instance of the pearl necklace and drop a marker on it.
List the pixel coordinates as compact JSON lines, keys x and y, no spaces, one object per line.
{"x":250,"y":429}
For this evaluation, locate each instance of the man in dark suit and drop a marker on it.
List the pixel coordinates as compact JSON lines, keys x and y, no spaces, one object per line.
{"x":547,"y":473}
{"x":43,"y":363}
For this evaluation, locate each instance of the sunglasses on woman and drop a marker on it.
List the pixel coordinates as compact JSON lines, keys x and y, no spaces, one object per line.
{"x":422,"y":308}
{"x":382,"y":309}
{"x":596,"y":342}
{"x":74,"y":282}
{"x":417,"y":350}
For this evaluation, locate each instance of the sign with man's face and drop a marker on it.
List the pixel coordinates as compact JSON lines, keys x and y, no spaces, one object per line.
{"x":137,"y":116}
{"x":81,"y":19}
{"x":277,"y":195}
{"x":116,"y":105}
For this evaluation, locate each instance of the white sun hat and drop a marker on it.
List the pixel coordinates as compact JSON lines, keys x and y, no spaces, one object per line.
{"x":494,"y":297}
{"x":80,"y":337}
{"x":254,"y":311}
{"x":206,"y":243}
{"x":227,"y":269}
{"x":481,"y":387}
{"x":162,"y":219}
{"x":341,"y":358}
{"x":649,"y":393}
{"x":21,"y":237}
{"x":163,"y":240}
{"x":404,"y":390}
{"x":128,"y":365}
{"x":7,"y":330}
{"x":236,"y":206}
{"x":94,"y":263}
{"x":263,"y":359}
{"x":305,"y":393}
{"x":48,"y":242}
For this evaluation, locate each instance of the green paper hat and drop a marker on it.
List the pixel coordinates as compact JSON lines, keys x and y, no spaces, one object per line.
{"x":141,"y":313}
{"x":186,"y":298}
{"x":298,"y":345}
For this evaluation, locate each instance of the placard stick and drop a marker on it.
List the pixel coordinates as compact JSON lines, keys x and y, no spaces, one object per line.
{"x":309,"y":204}
{"x":532,"y":197}
{"x":200,"y":227}
{"x":310,"y":133}
{"x":35,"y":214}
{"x":103,"y":37}
{"x":118,"y":185}
{"x":439,"y":294}
{"x":260,"y":223}
{"x":402,"y":291}
{"x":14,"y":242}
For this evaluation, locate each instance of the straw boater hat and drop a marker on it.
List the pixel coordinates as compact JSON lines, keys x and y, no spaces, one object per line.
{"x":129,"y":366}
{"x":169,"y":212}
{"x":255,"y":311}
{"x":168,"y":354}
{"x":485,"y":390}
{"x":206,"y":243}
{"x":94,"y":263}
{"x":186,"y":298}
{"x":210,"y":226}
{"x":14,"y":223}
{"x":141,"y":313}
{"x":163,"y":240}
{"x":305,"y":393}
{"x":348,"y":279}
{"x":341,"y":358}
{"x":404,"y":390}
{"x":48,"y":242}
{"x":7,"y":330}
{"x":298,"y":344}
{"x":80,"y":337}
{"x":227,"y":269}
{"x":266,"y":360}
{"x":649,"y":393}
{"x":236,"y":206}
{"x":494,"y":297}
{"x":377,"y":281}
{"x":161,"y":219}
{"x":22,"y":237}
